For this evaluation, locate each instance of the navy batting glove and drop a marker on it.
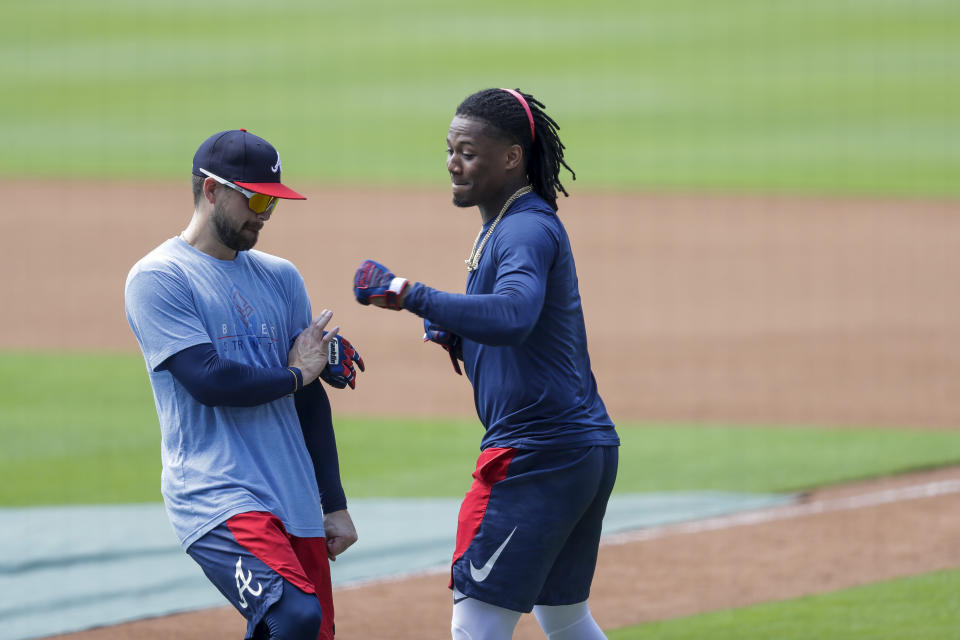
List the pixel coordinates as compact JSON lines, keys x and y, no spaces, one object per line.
{"x":451,"y":342}
{"x":341,"y":361}
{"x":375,"y":284}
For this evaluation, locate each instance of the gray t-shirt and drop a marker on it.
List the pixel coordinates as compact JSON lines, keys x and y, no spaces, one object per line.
{"x":221,"y":461}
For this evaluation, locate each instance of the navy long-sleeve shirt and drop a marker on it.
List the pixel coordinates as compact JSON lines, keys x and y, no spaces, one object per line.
{"x":524,"y":338}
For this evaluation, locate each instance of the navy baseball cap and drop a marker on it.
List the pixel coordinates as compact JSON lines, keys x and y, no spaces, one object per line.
{"x":245,"y":160}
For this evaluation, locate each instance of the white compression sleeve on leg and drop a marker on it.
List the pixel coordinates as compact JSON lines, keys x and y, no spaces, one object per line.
{"x":475,"y":620}
{"x":568,"y":622}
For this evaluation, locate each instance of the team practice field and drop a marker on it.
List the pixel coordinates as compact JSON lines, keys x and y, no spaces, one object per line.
{"x":708,"y":340}
{"x":766,"y":227}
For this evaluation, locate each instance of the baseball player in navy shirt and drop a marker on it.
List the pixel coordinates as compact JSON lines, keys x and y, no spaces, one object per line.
{"x":250,"y":475}
{"x":529,"y":527}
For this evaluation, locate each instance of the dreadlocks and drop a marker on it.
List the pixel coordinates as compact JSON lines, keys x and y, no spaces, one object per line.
{"x":508,"y":118}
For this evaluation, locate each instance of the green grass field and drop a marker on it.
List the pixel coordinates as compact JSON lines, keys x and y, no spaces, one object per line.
{"x":831,"y":96}
{"x":88,"y":434}
{"x":917,"y":608}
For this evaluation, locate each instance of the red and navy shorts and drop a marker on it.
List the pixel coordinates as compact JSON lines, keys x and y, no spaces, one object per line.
{"x":251,"y":559}
{"x":529,"y":527}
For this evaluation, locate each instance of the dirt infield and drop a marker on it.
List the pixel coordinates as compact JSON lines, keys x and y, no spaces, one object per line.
{"x":710,"y":309}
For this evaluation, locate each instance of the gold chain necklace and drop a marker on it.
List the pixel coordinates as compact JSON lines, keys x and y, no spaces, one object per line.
{"x":475,"y":252}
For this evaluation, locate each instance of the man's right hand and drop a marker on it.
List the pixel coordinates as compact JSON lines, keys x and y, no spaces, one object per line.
{"x":375,"y":284}
{"x":311,"y":349}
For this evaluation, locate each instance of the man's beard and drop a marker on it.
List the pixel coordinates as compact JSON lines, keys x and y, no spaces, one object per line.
{"x":463,"y":204}
{"x":230,"y":237}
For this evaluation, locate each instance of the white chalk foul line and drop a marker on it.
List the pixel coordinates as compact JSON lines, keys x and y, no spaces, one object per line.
{"x":876,"y":498}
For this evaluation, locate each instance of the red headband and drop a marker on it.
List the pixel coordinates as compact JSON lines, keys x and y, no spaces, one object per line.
{"x":526,"y":108}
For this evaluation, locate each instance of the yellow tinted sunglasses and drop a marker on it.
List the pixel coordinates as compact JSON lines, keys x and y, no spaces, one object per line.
{"x":258,"y":202}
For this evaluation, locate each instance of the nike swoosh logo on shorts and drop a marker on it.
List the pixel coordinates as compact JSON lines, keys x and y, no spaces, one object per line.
{"x":479,"y":575}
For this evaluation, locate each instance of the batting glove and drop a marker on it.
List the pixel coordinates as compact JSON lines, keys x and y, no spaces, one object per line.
{"x":340,"y":370}
{"x":451,"y":342}
{"x":375,"y":284}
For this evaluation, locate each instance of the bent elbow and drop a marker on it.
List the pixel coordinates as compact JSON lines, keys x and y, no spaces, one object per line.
{"x":515,"y":333}
{"x":208,"y":398}
{"x":209,"y":395}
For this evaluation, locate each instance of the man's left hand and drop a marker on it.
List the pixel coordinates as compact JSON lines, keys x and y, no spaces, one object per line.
{"x":340,"y":370}
{"x":451,"y":342}
{"x":340,"y":532}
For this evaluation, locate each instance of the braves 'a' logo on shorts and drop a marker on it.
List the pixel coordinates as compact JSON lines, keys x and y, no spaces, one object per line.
{"x":243,"y":584}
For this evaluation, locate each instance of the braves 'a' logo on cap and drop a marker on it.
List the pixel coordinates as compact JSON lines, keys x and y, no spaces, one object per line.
{"x":275,"y":168}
